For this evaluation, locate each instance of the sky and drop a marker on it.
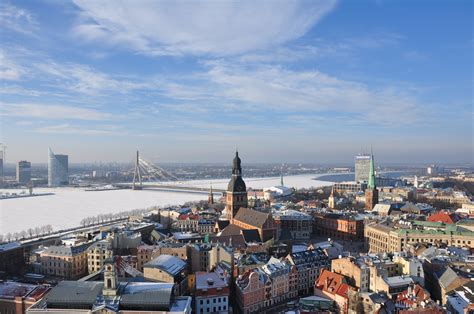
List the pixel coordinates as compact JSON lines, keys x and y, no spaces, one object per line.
{"x":282,"y":81}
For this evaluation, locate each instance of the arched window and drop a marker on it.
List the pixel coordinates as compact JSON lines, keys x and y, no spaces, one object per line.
{"x":109,"y":283}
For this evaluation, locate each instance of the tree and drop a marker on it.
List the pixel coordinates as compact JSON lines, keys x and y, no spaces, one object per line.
{"x":8,"y":237}
{"x":49,"y":229}
{"x":30,"y":232}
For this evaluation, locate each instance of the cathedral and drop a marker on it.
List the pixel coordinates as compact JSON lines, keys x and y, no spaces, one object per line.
{"x":237,"y":212}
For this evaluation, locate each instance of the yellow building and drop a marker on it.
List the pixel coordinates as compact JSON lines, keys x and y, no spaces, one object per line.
{"x":97,"y":253}
{"x":382,"y":238}
{"x":67,"y":262}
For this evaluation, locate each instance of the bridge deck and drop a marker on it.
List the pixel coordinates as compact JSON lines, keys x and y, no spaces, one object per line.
{"x":167,"y":187}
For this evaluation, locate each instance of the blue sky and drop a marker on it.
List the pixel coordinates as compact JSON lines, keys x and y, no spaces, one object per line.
{"x":284,"y":81}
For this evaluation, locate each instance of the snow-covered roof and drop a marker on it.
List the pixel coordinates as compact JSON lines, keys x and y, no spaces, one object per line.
{"x":170,"y":264}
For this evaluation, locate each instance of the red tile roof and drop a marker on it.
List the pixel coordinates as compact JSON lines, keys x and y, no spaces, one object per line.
{"x":447,"y":218}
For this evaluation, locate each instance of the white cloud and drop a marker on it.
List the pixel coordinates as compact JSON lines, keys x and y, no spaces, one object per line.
{"x":216,"y":27}
{"x":85,"y":79}
{"x":51,"y":112}
{"x":275,"y":88}
{"x":9,"y":70}
{"x":80,"y":130}
{"x":16,"y":19}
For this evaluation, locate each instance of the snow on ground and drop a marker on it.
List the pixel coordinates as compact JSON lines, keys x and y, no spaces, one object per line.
{"x":68,"y":206}
{"x":295,"y":181}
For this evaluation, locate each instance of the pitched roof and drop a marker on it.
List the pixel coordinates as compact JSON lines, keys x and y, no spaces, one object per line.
{"x":447,"y":218}
{"x":74,"y":292}
{"x":221,"y":224}
{"x":170,"y":264}
{"x":251,"y":235}
{"x":251,"y":217}
{"x":332,"y":282}
{"x":231,"y":230}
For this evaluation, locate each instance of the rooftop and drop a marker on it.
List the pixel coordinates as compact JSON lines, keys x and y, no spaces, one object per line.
{"x":205,"y":280}
{"x":170,"y":264}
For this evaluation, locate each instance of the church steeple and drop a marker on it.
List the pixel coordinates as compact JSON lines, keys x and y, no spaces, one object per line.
{"x":236,"y":195}
{"x":371,"y":183}
{"x":210,"y":199}
{"x":371,"y":193}
{"x":237,"y":168}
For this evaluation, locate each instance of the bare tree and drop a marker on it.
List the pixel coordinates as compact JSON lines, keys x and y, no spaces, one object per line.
{"x":23,"y":234}
{"x":30,"y":232}
{"x":8,"y":237}
{"x":49,"y":229}
{"x":37,"y":231}
{"x":1,"y":238}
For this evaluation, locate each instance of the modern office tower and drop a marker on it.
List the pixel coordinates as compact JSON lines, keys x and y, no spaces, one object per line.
{"x":23,"y":171}
{"x":362,"y":168}
{"x":57,"y":169}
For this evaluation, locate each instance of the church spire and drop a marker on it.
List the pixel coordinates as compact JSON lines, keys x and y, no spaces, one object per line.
{"x":371,"y":184}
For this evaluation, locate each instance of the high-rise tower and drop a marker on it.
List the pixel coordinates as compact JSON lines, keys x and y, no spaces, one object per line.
{"x":236,"y":195}
{"x":57,"y":169}
{"x":371,"y":193}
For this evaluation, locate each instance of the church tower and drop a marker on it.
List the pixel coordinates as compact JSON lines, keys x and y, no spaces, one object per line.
{"x":371,"y":193}
{"x":210,"y":198}
{"x":110,"y":278}
{"x":236,"y":195}
{"x":332,"y":199}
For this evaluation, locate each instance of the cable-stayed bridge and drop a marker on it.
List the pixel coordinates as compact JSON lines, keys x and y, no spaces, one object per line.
{"x":147,"y":175}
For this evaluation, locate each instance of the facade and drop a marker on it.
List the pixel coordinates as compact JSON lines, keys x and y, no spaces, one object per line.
{"x":279,"y":274}
{"x":349,"y":187}
{"x":299,"y":224}
{"x":205,"y":256}
{"x":357,"y":273}
{"x":211,"y":293}
{"x":380,"y":238}
{"x":308,"y":265}
{"x":97,"y":254}
{"x":167,"y":268}
{"x":236,"y":196}
{"x":362,"y":168}
{"x":146,"y":253}
{"x":58,"y":169}
{"x":12,"y":258}
{"x":252,"y":287}
{"x":339,"y":226}
{"x":68,"y":262}
{"x":23,"y":171}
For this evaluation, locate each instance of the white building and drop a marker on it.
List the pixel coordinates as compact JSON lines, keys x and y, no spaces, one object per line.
{"x":211,"y":293}
{"x":57,"y":169}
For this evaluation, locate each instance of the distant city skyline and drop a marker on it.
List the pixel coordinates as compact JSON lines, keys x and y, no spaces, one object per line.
{"x":302,"y":81}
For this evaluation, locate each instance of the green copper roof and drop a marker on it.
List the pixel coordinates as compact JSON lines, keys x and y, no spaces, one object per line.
{"x":371,"y":184}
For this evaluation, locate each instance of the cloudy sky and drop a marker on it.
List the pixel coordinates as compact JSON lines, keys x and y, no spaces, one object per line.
{"x":284,"y":81}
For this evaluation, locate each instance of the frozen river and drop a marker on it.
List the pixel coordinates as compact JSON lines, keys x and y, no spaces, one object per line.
{"x":68,"y":206}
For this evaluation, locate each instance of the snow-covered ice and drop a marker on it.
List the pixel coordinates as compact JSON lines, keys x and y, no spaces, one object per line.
{"x":68,"y":206}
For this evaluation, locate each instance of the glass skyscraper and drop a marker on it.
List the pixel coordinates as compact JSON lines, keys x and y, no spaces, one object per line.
{"x":57,"y":169}
{"x":362,"y":168}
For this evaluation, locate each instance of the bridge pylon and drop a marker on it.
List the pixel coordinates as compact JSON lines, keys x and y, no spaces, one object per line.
{"x":137,"y":174}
